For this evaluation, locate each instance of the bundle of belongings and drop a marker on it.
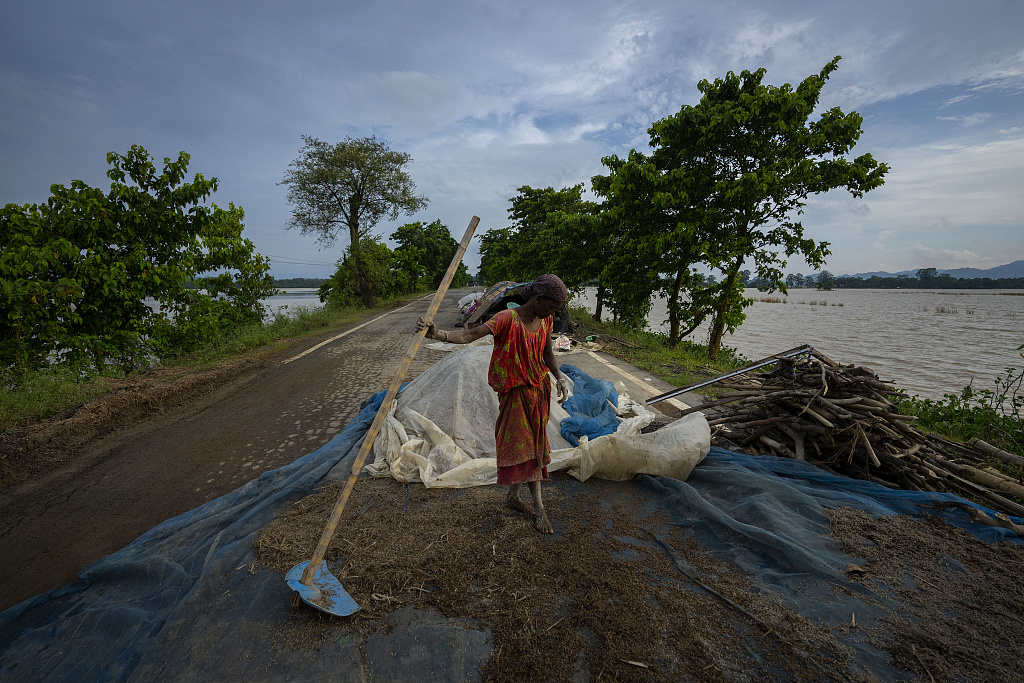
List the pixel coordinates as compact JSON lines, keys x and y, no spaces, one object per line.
{"x":440,"y":431}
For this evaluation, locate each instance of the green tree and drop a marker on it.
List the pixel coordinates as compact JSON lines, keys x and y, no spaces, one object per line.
{"x":497,"y":247}
{"x":427,"y":250}
{"x":536,"y":250}
{"x":826,"y":281}
{"x":582,"y":244}
{"x":927,"y":277}
{"x":377,"y":272}
{"x":731,"y":172}
{"x":349,"y":187}
{"x":75,"y":273}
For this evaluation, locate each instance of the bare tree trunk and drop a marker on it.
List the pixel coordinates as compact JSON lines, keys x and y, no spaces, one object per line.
{"x":600,"y":303}
{"x":718,"y":324}
{"x":673,"y":312}
{"x":365,"y":288}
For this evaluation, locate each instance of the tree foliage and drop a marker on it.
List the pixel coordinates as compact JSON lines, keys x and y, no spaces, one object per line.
{"x":724,"y":183}
{"x":420,"y":260}
{"x":347,"y":188}
{"x":826,"y":281}
{"x":346,"y":286}
{"x":427,"y":251}
{"x":77,"y":271}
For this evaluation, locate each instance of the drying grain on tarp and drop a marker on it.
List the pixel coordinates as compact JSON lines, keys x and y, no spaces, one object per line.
{"x":599,"y":599}
{"x":957,"y":611}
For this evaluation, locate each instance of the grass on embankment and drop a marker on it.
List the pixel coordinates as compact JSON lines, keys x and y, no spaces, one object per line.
{"x":686,"y":364}
{"x":30,"y":396}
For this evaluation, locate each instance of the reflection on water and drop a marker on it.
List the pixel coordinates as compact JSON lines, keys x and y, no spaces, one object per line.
{"x":928,"y":342}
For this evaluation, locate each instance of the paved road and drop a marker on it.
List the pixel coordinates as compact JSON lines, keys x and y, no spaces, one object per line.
{"x":121,"y":486}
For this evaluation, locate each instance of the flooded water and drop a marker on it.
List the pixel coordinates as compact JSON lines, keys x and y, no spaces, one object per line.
{"x":927,"y":342}
{"x":291,"y":299}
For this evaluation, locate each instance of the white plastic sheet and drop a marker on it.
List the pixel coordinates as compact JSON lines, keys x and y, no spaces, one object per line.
{"x":440,"y":432}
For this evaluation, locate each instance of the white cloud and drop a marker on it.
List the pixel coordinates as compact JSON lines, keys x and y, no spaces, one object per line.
{"x":967,"y":120}
{"x":950,"y":258}
{"x":955,"y":100}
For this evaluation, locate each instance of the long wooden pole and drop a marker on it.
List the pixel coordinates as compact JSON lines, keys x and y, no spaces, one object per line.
{"x":371,"y":435}
{"x":739,"y":371}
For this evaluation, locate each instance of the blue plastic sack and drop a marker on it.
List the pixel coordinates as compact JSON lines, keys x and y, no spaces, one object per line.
{"x":590,"y":413}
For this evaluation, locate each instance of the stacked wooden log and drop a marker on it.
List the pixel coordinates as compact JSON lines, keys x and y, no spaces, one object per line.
{"x":842,"y":418}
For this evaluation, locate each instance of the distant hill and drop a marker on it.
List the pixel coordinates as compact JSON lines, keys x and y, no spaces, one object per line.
{"x":1012,"y":270}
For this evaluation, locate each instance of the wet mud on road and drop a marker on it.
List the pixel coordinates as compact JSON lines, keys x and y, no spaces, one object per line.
{"x":110,"y":490}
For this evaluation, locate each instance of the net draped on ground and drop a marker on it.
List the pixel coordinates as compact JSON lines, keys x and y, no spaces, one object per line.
{"x":182,"y":601}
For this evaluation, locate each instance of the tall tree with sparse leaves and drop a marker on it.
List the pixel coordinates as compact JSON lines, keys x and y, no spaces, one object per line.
{"x":348,"y":188}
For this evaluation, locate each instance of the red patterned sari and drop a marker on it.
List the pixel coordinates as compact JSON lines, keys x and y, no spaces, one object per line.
{"x":519,"y":375}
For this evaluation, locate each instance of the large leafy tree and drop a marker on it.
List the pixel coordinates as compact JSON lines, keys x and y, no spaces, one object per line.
{"x":347,"y":188}
{"x":541,"y":219}
{"x":536,"y":249}
{"x":77,"y":271}
{"x":427,"y":250}
{"x":344,"y":288}
{"x":662,"y":250}
{"x":497,"y":255}
{"x":730,"y":175}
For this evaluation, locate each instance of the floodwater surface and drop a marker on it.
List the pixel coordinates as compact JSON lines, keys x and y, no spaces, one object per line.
{"x":925,"y":341}
{"x":290,"y":300}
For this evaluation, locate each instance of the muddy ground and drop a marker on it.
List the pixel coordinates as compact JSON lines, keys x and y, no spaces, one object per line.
{"x":77,"y":488}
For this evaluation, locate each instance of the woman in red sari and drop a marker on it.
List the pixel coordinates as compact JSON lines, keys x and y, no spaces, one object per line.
{"x":520,"y":363}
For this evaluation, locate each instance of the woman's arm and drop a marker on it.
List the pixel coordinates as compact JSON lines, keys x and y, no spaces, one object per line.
{"x":561,"y":385}
{"x":454,"y":336}
{"x":549,"y":358}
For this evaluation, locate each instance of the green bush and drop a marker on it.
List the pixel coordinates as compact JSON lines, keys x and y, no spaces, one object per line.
{"x":992,"y":415}
{"x":75,"y":272}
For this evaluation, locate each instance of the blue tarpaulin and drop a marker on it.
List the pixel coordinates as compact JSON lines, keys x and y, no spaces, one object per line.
{"x":180,"y":602}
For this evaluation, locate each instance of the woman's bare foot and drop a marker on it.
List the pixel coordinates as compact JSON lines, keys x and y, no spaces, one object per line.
{"x":542,"y":524}
{"x":518,"y":505}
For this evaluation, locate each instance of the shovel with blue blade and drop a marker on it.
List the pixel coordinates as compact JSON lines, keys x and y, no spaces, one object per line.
{"x":312,"y":582}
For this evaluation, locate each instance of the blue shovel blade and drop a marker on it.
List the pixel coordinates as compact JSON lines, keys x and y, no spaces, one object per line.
{"x":324,"y":592}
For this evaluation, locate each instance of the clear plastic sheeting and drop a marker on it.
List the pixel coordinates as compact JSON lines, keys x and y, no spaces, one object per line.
{"x":440,"y":431}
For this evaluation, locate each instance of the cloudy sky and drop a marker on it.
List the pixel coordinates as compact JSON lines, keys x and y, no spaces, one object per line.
{"x":487,"y":96}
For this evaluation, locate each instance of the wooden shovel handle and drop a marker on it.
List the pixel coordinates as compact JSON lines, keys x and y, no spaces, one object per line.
{"x":371,"y":435}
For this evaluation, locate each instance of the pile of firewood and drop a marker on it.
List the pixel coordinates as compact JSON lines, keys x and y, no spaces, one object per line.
{"x":842,"y":419}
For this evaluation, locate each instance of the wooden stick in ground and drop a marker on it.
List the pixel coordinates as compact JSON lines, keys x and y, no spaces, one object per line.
{"x":385,"y":406}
